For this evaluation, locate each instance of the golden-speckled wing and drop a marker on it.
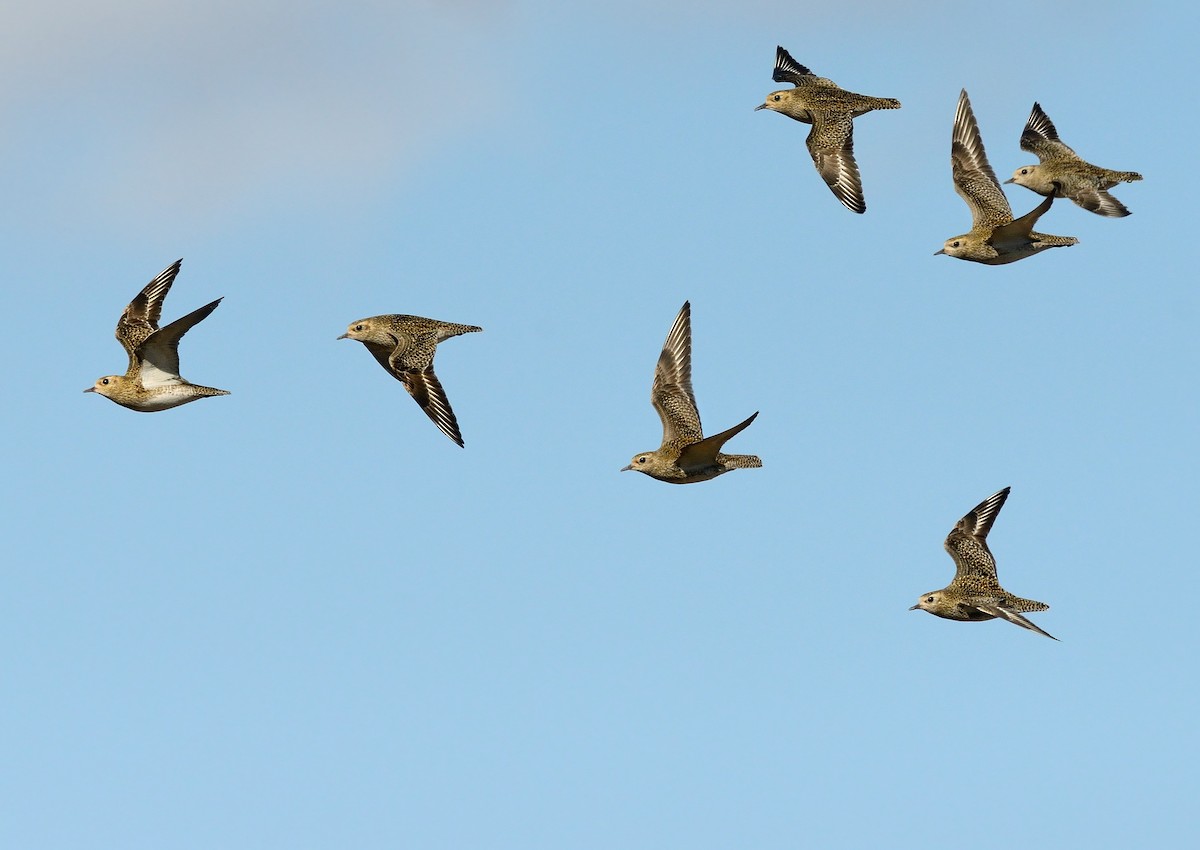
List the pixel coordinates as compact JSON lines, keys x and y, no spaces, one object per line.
{"x":831,"y":145}
{"x":974,"y":179}
{"x":140,"y":318}
{"x":671,"y":393}
{"x":967,"y":543}
{"x":1041,"y":138}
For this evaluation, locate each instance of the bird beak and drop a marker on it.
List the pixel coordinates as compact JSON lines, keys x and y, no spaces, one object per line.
{"x":760,"y":106}
{"x":915,"y":607}
{"x":90,"y":390}
{"x":627,"y":468}
{"x":344,"y":336}
{"x":1010,"y":180}
{"x":935,"y":253}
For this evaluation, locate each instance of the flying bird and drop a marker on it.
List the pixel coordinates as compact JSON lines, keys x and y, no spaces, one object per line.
{"x":686,"y":455}
{"x":831,"y":111}
{"x":995,"y":237}
{"x":1062,"y":173}
{"x":404,"y":347}
{"x":975,"y":593}
{"x":151,"y":381}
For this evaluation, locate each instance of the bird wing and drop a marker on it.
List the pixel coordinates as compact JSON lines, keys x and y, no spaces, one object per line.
{"x":158,"y":356}
{"x":974,"y":179}
{"x":967,"y":542}
{"x":671,"y":393}
{"x":831,"y":145}
{"x":997,"y":610}
{"x":1041,"y":138}
{"x":1099,"y":201}
{"x":703,"y":454}
{"x":140,"y":317}
{"x":426,"y":390}
{"x":788,"y":70}
{"x":1016,"y":232}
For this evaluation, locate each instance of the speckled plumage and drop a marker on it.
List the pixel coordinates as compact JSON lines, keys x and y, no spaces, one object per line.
{"x":975,"y":593}
{"x":686,"y":455}
{"x":405,"y":347}
{"x":1062,"y":173}
{"x":831,"y":111}
{"x":151,"y":381}
{"x":995,"y":237}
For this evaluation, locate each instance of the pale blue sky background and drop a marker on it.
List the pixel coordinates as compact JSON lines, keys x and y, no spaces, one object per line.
{"x":301,"y":617}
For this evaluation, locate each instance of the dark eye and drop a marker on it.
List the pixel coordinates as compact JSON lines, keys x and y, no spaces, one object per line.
{"x":641,"y":460}
{"x":954,"y":245}
{"x":929,"y":601}
{"x":104,"y":381}
{"x":776,"y":98}
{"x":358,"y":327}
{"x":1024,"y":170}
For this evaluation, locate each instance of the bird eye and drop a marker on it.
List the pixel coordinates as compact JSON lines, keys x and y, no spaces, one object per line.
{"x":1024,"y":170}
{"x":358,"y":327}
{"x":954,"y":244}
{"x":641,"y":460}
{"x":929,"y":601}
{"x":775,"y":98}
{"x":104,"y":381}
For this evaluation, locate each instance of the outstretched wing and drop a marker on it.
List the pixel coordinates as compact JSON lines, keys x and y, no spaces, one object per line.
{"x":1012,"y":616}
{"x":140,"y":317}
{"x":788,"y":70}
{"x":426,"y":390}
{"x":967,"y":542}
{"x":671,"y":393}
{"x":159,"y":354}
{"x":1041,"y":138}
{"x":974,"y":179}
{"x":703,"y":454}
{"x":831,"y":145}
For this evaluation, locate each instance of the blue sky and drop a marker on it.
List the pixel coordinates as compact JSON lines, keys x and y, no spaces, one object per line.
{"x":301,"y":617}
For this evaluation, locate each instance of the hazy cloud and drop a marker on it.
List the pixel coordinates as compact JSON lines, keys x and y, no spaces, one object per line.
{"x":172,"y":106}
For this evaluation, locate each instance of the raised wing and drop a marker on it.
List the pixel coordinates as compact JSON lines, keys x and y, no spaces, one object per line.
{"x":671,"y":393}
{"x":1017,"y":232}
{"x":703,"y":454}
{"x":788,"y":70}
{"x":1041,"y":138}
{"x":140,"y":317}
{"x":967,"y":542}
{"x":159,"y":354}
{"x":974,"y":179}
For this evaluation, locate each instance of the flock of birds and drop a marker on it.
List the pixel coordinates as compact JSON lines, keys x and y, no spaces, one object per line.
{"x":405,"y":345}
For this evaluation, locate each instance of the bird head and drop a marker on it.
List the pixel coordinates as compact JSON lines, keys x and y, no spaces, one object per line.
{"x":368,"y":330}
{"x":1029,"y":177}
{"x":930,"y":602}
{"x":959,"y":246}
{"x":651,"y":464}
{"x":109,"y":386}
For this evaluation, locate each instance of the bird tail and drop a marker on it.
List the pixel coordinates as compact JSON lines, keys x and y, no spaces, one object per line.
{"x":449,"y":329}
{"x":1046,"y":240}
{"x":739,"y":461}
{"x":1127,"y":176}
{"x":877,"y":103}
{"x":1016,"y":603}
{"x":208,"y":391}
